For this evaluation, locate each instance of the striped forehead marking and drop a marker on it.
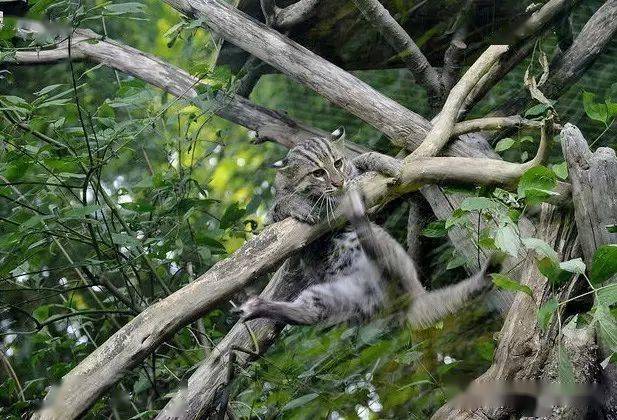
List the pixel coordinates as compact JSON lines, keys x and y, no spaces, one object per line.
{"x":315,"y":150}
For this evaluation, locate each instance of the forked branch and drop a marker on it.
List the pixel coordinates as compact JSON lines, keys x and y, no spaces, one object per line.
{"x":443,"y":127}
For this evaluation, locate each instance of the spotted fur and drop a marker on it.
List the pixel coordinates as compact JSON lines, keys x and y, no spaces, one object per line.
{"x":356,"y":271}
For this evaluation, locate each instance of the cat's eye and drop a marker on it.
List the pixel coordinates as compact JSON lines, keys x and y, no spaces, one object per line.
{"x":338,"y":163}
{"x":319,"y":173}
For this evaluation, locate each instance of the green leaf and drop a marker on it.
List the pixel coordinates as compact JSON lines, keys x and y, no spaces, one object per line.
{"x":124,"y":239}
{"x":541,"y":247}
{"x":47,"y":89}
{"x":576,"y":266}
{"x":537,"y":184}
{"x":457,"y":261}
{"x":611,"y":228}
{"x":561,"y":170}
{"x":478,"y":203}
{"x":507,"y":240}
{"x":604,"y":265}
{"x":435,"y":229}
{"x":507,"y":283}
{"x":299,"y":402}
{"x":80,"y":212}
{"x":138,"y":206}
{"x":594,"y":110}
{"x":607,"y":327}
{"x":607,"y":295}
{"x":536,"y":111}
{"x":124,"y":8}
{"x":551,"y":270}
{"x":504,"y":144}
{"x":545,"y":313}
{"x":232,"y":214}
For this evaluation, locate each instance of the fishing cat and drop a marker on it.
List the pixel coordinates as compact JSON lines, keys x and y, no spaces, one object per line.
{"x":360,"y":269}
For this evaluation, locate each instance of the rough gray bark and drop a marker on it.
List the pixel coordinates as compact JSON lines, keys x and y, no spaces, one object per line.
{"x":403,"y":126}
{"x":596,"y":208}
{"x":524,"y":352}
{"x":594,"y":192}
{"x":210,"y":379}
{"x":522,"y":349}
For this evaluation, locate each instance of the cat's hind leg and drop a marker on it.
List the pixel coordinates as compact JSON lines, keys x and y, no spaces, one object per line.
{"x":325,"y":303}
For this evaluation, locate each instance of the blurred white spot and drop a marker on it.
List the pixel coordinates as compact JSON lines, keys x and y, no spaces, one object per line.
{"x":89,"y":195}
{"x":97,"y":288}
{"x":45,"y":272}
{"x":9,"y":338}
{"x":63,"y":281}
{"x":217,"y":149}
{"x":9,"y":352}
{"x":252,"y":134}
{"x":73,"y":328}
{"x":213,"y":161}
{"x":170,"y":255}
{"x":241,"y":162}
{"x":125,"y":199}
{"x":173,"y":268}
{"x":265,"y":184}
{"x":140,"y":234}
{"x":363,"y":412}
{"x":173,"y":159}
{"x":82,"y":340}
{"x":118,"y":181}
{"x":447,"y":360}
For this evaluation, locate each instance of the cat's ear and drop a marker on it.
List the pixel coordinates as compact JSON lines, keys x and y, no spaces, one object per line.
{"x":280,"y":164}
{"x":338,"y":135}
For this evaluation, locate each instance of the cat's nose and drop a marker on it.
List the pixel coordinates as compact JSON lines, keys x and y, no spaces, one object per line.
{"x":338,"y":183}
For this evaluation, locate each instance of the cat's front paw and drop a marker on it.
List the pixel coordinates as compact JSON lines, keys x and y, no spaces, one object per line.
{"x":354,"y":210}
{"x":392,"y":168}
{"x":251,"y":309}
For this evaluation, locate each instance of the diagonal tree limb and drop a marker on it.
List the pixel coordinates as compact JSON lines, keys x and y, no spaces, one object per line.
{"x":295,"y":13}
{"x":82,"y":386}
{"x":403,"y":126}
{"x":521,"y":46}
{"x":268,"y":124}
{"x":195,"y":400}
{"x":402,"y":44}
{"x":591,"y":41}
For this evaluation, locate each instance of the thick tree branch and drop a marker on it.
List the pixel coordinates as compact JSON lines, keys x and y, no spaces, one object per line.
{"x":402,"y":44}
{"x":134,"y":341}
{"x":209,"y":380}
{"x":403,"y":126}
{"x":268,"y":124}
{"x":442,"y":129}
{"x":591,"y":41}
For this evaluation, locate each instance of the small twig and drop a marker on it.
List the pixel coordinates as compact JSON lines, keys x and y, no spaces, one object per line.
{"x":295,"y":13}
{"x":495,"y":123}
{"x":407,"y":50}
{"x":454,"y":55}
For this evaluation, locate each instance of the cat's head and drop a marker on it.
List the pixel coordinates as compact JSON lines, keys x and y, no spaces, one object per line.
{"x":317,"y":167}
